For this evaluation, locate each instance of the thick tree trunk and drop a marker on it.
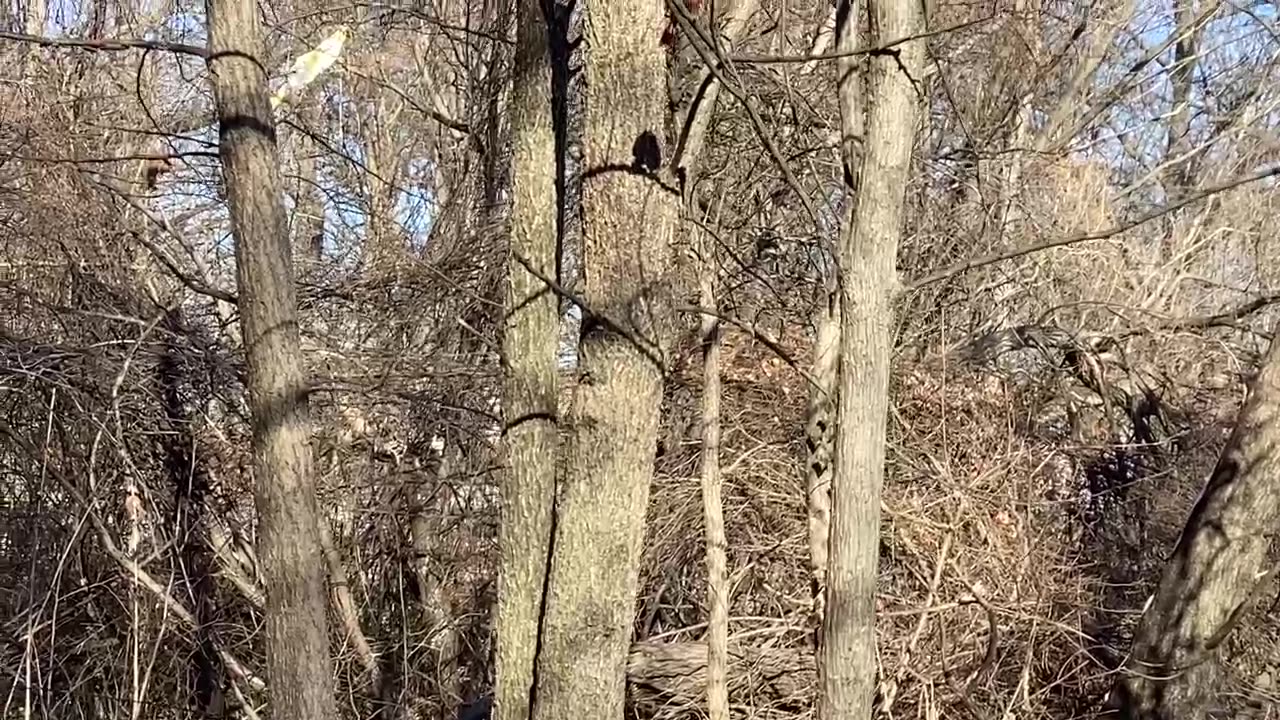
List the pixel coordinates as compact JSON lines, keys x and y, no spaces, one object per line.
{"x":627,"y":262}
{"x":531,"y":336}
{"x":868,"y":254}
{"x":296,"y":634}
{"x":1216,"y":568}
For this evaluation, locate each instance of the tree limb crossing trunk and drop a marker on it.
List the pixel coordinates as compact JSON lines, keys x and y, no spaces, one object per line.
{"x":628,"y":270}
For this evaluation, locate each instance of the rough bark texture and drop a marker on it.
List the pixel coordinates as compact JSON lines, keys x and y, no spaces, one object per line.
{"x":529,"y":359}
{"x":868,"y":252}
{"x":820,"y":412}
{"x":1216,"y":569}
{"x":627,"y":264}
{"x":712,"y":500}
{"x":820,"y":434}
{"x":296,"y":639}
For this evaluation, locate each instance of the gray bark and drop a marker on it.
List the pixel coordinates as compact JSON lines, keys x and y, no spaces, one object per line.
{"x":868,"y":255}
{"x":298,"y":666}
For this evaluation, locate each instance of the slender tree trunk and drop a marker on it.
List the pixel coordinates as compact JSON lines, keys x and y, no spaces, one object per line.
{"x":1181,"y":78}
{"x":191,"y":485}
{"x":438,"y":614}
{"x":868,"y":255}
{"x":820,"y":435}
{"x":1216,"y":569}
{"x":694,"y":95}
{"x":820,"y":412}
{"x":628,"y":268}
{"x":384,"y":242}
{"x":36,"y":17}
{"x":344,"y":605}
{"x":529,"y":344}
{"x":309,"y":220}
{"x":298,"y":666}
{"x":712,"y":502}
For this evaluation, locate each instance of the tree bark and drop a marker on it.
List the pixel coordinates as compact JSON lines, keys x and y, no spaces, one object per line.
{"x":868,"y":254}
{"x":309,"y":220}
{"x":296,"y":638}
{"x":530,"y":395}
{"x":1181,"y":77}
{"x":185,"y":465}
{"x":627,"y":263}
{"x":1216,"y":569}
{"x":820,"y":412}
{"x":712,"y":500}
{"x":820,"y":435}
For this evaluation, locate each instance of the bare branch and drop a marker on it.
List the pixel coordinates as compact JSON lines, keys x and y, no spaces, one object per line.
{"x":106,"y":44}
{"x":975,"y":263}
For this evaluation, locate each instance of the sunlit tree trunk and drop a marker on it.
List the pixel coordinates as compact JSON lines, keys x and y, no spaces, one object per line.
{"x":628,"y":271}
{"x":530,"y":338}
{"x":820,"y":412}
{"x":298,"y":666}
{"x":1215,"y":571}
{"x":868,"y":257}
{"x":695,"y":95}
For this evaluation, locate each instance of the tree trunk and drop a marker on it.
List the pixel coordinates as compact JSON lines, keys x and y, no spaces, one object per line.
{"x":185,"y":465}
{"x":694,"y":94}
{"x":626,"y":331}
{"x":820,"y":434}
{"x":820,"y":412}
{"x":868,"y":253}
{"x":1216,"y":570}
{"x":428,"y":519}
{"x":298,"y":666}
{"x":712,"y":502}
{"x":1181,"y":78}
{"x":309,"y":219}
{"x":37,"y":16}
{"x":531,"y":336}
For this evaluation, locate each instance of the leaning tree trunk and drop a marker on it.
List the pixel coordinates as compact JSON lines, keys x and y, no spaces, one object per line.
{"x":626,"y":331}
{"x":530,"y":398}
{"x":296,"y":637}
{"x":868,"y":255}
{"x":1217,"y":568}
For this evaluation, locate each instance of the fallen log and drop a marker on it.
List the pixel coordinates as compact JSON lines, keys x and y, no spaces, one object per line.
{"x":667,"y":679}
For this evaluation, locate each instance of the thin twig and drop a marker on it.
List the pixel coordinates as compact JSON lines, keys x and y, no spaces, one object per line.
{"x":714,"y":62}
{"x":975,"y":263}
{"x":878,"y":48}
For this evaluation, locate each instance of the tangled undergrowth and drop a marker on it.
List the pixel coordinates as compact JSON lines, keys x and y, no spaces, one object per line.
{"x":1025,"y":522}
